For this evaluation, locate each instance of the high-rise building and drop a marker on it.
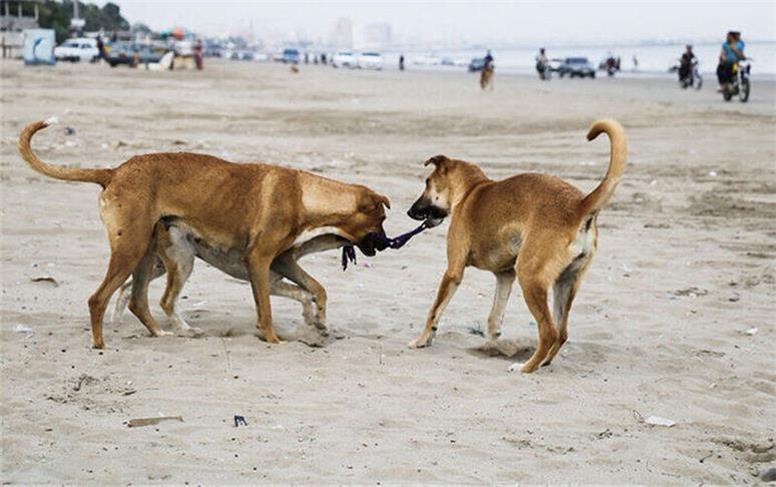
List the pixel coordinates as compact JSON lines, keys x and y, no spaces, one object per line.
{"x":378,"y":35}
{"x":342,"y":35}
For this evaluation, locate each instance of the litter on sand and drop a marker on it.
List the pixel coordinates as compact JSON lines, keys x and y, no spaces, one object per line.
{"x":45,"y":279}
{"x":658,"y":421}
{"x":23,"y":329}
{"x":134,"y":423}
{"x":239,"y":420}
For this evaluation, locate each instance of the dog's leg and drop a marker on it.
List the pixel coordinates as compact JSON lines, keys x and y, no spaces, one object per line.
{"x":179,"y":263}
{"x":456,"y":263}
{"x":124,"y":292}
{"x":288,"y":267}
{"x":534,"y":273}
{"x":504,"y":281}
{"x":258,"y":268}
{"x":138,"y":302}
{"x":564,"y":289}
{"x":121,"y":301}
{"x":296,"y":293}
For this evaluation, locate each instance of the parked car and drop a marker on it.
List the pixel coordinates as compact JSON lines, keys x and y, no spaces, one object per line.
{"x":345,"y":59}
{"x":79,"y":49}
{"x":370,"y":60}
{"x":576,"y":66}
{"x":477,"y":64}
{"x":290,"y":56}
{"x":555,"y":64}
{"x":122,"y":53}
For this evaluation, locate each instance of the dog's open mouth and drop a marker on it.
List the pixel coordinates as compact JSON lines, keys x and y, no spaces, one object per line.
{"x":431,"y":215}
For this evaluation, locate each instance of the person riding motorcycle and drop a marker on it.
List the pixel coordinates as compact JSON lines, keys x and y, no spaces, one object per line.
{"x":686,"y":62}
{"x":732,"y":52}
{"x":542,"y":64}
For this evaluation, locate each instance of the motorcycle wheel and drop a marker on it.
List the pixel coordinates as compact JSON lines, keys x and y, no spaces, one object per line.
{"x":727,"y":95}
{"x":743,"y":93}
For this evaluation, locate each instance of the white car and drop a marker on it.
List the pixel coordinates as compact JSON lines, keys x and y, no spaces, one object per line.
{"x":345,"y":59}
{"x":78,"y":49}
{"x":370,"y":60}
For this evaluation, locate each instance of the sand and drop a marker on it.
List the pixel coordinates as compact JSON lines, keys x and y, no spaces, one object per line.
{"x":674,"y":319}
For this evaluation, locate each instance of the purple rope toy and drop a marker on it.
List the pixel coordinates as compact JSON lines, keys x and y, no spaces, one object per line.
{"x":349,"y":252}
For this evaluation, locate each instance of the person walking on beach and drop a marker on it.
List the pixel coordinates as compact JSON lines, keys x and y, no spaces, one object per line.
{"x":732,"y":52}
{"x":543,"y":65}
{"x":198,"y":54}
{"x":487,"y":71}
{"x":101,"y":48}
{"x":401,"y":62}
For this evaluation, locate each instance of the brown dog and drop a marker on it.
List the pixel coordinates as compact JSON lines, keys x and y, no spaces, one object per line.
{"x":533,"y":226}
{"x":258,"y":210}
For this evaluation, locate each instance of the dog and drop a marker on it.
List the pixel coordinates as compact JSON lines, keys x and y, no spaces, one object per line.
{"x":533,"y":227}
{"x":486,"y":78}
{"x":259,"y":211}
{"x":176,"y":249}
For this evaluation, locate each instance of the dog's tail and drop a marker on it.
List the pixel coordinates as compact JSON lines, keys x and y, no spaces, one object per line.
{"x":99,"y":176}
{"x":601,"y":194}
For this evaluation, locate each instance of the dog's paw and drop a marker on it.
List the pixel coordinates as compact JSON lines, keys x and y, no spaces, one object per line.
{"x":525,"y":368}
{"x":163,"y":333}
{"x":190,"y":332}
{"x":515,"y":367}
{"x":420,"y":342}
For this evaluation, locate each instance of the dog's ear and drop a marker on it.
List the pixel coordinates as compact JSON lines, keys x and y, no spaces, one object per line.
{"x":438,"y":161}
{"x":384,"y":200}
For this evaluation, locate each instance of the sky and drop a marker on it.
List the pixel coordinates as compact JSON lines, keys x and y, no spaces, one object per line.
{"x":512,"y":22}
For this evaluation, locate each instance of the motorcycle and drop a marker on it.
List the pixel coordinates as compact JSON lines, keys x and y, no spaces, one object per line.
{"x":740,"y":85}
{"x":693,"y":78}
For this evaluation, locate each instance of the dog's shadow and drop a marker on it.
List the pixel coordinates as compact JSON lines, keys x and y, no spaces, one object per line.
{"x":519,"y":349}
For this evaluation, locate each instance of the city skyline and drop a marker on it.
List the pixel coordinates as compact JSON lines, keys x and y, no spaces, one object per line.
{"x":437,"y":23}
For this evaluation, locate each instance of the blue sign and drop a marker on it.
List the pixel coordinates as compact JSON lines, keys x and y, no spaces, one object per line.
{"x":39,"y":46}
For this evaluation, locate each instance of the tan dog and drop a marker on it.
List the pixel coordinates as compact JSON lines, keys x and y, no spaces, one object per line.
{"x":486,"y":78}
{"x":533,"y":226}
{"x":257,"y":210}
{"x":176,"y":250}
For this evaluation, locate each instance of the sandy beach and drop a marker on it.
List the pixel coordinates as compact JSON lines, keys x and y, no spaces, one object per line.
{"x":673,"y":319}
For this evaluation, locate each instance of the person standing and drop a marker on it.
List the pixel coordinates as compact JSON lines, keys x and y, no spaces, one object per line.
{"x":401,"y":62}
{"x":542,"y":64}
{"x":198,"y":54}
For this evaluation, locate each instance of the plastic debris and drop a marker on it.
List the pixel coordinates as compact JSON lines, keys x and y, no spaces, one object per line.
{"x":751,"y":331}
{"x":238,"y":420}
{"x":134,"y":423}
{"x":658,"y":421}
{"x":23,"y":329}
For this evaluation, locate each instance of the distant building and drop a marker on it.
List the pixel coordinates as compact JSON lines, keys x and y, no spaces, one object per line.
{"x":13,"y":21}
{"x":378,"y":35}
{"x":342,"y":35}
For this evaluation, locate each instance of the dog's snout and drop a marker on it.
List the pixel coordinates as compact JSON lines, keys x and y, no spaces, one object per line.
{"x":418,"y":210}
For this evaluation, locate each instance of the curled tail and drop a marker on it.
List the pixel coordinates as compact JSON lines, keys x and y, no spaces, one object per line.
{"x":99,"y":176}
{"x":601,"y":194}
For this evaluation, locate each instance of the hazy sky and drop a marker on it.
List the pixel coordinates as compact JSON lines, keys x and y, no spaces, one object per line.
{"x":474,"y":21}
